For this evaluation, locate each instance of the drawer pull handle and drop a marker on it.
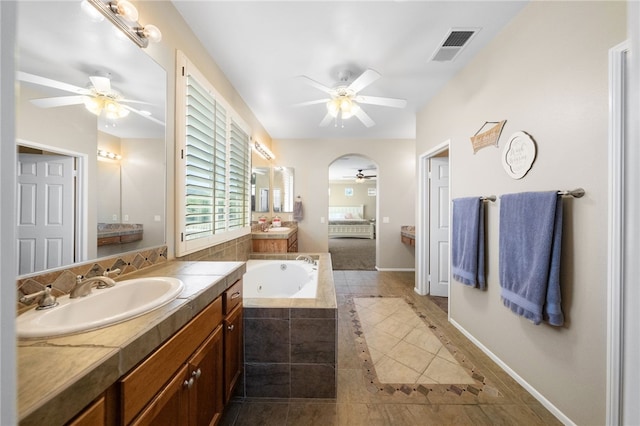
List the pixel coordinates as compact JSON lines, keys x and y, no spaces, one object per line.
{"x":188,"y":383}
{"x":197,"y":373}
{"x":235,"y":295}
{"x":231,"y":327}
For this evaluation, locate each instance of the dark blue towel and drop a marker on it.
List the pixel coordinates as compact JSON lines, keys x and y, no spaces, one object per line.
{"x":530,"y":247}
{"x":467,"y":241}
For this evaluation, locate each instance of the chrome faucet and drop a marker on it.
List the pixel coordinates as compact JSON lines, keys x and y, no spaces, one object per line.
{"x":306,"y":258}
{"x":83,"y":285}
{"x":45,"y":299}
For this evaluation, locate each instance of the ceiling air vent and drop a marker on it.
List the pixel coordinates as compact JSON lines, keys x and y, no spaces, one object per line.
{"x":453,"y":44}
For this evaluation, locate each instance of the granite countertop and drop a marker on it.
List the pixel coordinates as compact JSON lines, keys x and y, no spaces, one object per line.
{"x":408,"y":231}
{"x":58,"y":377}
{"x":117,"y":229}
{"x":278,"y":235}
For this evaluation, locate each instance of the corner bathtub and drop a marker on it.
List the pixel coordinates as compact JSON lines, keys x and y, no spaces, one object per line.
{"x":280,"y":279}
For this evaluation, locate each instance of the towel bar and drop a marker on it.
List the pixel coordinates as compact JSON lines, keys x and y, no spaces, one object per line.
{"x":491,"y":198}
{"x":575,"y":193}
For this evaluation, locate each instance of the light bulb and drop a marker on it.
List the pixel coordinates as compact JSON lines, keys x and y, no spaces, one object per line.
{"x":333,"y":107}
{"x":152,"y":33}
{"x":345,"y":105}
{"x":93,"y":105}
{"x":127,"y":10}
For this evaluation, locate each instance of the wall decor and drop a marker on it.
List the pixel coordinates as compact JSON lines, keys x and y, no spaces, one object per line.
{"x":348,"y":192}
{"x":372,"y":192}
{"x":518,"y":155}
{"x":489,"y":137}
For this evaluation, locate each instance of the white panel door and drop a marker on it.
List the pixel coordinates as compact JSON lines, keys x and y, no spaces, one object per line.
{"x":439,"y":227}
{"x":45,"y":212}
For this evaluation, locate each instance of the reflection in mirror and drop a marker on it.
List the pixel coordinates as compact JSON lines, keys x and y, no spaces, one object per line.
{"x":82,"y":89}
{"x":283,"y":189}
{"x":260,"y":189}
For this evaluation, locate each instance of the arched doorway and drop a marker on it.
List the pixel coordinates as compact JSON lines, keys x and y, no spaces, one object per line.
{"x":353,"y":206}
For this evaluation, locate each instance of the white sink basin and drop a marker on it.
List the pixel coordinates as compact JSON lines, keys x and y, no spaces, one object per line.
{"x":280,"y":229}
{"x":101,"y":308}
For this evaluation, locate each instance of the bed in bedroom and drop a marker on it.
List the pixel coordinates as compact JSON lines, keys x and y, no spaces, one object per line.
{"x":349,"y":222}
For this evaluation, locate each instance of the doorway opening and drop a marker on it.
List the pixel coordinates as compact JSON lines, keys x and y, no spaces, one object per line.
{"x":432,"y":230}
{"x":353,"y":206}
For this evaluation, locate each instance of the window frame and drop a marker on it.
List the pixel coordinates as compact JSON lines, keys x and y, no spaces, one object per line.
{"x":185,"y":69}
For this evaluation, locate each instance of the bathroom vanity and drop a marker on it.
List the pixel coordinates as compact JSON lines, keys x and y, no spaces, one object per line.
{"x":275,"y":240}
{"x":162,"y":365}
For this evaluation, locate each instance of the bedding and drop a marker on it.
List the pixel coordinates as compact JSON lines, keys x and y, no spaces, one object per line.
{"x":349,"y":222}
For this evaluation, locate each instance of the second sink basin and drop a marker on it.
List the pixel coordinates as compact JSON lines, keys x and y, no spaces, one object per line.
{"x":104,"y":307}
{"x":279,"y":229}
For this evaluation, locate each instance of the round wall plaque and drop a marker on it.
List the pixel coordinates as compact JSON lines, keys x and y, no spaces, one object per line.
{"x":518,"y":155}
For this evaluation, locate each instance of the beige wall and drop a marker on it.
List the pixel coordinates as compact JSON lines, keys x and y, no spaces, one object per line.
{"x":176,"y":35}
{"x":360,"y":196}
{"x":396,"y":191}
{"x":546,"y":74}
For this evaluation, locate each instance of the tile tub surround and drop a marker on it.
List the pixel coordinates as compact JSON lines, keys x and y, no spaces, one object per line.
{"x":290,"y":345}
{"x":58,"y":377}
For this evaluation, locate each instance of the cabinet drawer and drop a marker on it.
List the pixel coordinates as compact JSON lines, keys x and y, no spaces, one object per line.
{"x":232,"y":297}
{"x":142,"y":383}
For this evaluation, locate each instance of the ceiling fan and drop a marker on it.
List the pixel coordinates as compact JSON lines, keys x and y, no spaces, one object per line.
{"x":361,"y":177}
{"x":344,"y":100}
{"x":99,"y":98}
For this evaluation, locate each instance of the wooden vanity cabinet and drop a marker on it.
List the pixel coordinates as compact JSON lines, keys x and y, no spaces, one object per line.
{"x":93,"y":415}
{"x":182,"y":381}
{"x":233,"y":344}
{"x":276,"y":245}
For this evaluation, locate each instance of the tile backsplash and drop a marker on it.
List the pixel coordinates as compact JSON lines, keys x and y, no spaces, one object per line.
{"x":63,"y":280}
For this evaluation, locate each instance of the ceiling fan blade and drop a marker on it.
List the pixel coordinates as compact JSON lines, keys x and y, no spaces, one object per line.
{"x":317,"y":101}
{"x":365,"y":79}
{"x":376,"y":100}
{"x":142,"y":114}
{"x":316,"y":84}
{"x":131,"y":101}
{"x":43,"y":81}
{"x":326,"y":120}
{"x":364,"y":117}
{"x":58,"y":101}
{"x":101,"y":84}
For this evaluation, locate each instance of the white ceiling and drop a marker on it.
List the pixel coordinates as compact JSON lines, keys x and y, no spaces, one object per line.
{"x":262,"y":46}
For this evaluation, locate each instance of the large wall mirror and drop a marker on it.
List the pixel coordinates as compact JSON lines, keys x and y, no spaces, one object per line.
{"x":84,"y":88}
{"x":283,"y":178}
{"x":260,"y":189}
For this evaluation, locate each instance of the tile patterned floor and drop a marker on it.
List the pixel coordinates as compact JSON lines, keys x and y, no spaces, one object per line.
{"x":382,"y":325}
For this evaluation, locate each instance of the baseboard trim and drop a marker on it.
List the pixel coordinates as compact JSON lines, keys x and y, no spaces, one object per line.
{"x":395,"y":269}
{"x":537,"y":395}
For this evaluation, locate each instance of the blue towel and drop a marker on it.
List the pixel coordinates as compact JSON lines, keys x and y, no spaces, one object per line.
{"x":467,"y":241}
{"x":530,"y":247}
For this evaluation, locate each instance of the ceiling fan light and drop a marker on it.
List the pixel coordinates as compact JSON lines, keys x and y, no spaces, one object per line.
{"x":333,"y":107}
{"x":345,"y":105}
{"x":93,"y":105}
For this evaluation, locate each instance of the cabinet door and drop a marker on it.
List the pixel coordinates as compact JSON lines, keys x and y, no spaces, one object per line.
{"x":232,"y":350}
{"x":206,"y":368}
{"x":171,"y":406}
{"x":93,"y":415}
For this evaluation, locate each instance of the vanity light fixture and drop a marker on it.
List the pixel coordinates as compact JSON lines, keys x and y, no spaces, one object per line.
{"x":124,"y":15}
{"x":263,"y":151}
{"x":110,"y":155}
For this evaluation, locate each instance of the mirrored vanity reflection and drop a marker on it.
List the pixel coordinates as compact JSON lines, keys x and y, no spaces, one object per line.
{"x":272,"y":190}
{"x":83,"y":89}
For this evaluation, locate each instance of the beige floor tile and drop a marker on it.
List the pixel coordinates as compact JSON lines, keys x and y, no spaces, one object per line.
{"x":380,"y":340}
{"x":412,"y":356}
{"x":447,"y":373}
{"x":394,"y":327}
{"x":423,"y":338}
{"x":391,"y":371}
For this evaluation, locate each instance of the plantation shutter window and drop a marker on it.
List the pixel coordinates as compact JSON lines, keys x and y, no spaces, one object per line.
{"x":213,"y":165}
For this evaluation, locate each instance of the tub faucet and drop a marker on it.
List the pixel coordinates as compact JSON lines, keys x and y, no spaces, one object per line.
{"x":45,"y":299}
{"x":307,"y":259}
{"x":83,"y":285}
